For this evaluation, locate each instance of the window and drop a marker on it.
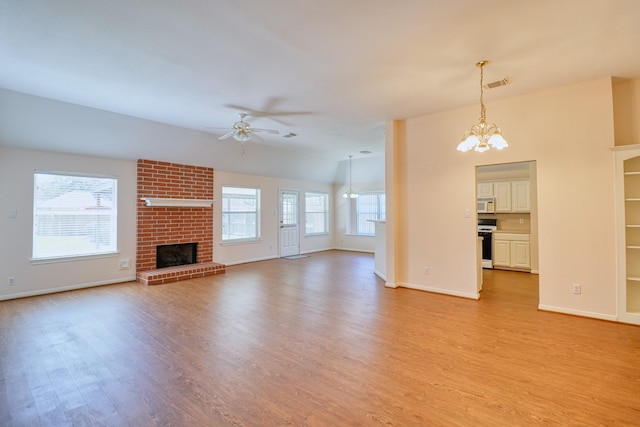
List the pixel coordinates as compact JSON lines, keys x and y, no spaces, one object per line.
{"x":240,"y":214}
{"x":369,"y":206}
{"x":316,"y":213}
{"x":73,"y":215}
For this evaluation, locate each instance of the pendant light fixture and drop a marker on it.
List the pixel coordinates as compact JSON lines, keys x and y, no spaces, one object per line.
{"x":350,"y":194}
{"x":482,"y":136}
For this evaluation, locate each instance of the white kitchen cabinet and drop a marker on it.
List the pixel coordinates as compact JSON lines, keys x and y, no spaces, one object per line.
{"x":520,"y":255}
{"x":510,"y":196}
{"x":485,"y":189}
{"x":502,"y":193}
{"x":520,"y":196}
{"x":501,"y":253}
{"x":512,"y":251}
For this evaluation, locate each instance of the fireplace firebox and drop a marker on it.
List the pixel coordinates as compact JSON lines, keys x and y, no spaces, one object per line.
{"x":177,"y":254}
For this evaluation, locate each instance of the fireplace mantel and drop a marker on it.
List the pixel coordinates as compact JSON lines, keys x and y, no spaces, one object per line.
{"x":178,"y":203}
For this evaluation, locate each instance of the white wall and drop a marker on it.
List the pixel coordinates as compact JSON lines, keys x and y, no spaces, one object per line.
{"x":267,"y":247}
{"x":16,"y":192}
{"x":569,"y":132}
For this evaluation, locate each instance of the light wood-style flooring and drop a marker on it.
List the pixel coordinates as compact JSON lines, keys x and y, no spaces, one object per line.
{"x":317,"y":341}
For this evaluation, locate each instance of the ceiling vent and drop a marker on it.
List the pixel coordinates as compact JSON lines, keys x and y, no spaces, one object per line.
{"x":499,"y":83}
{"x":290,"y":135}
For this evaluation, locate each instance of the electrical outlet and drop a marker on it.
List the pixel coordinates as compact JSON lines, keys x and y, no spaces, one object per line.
{"x":11,"y":281}
{"x":426,"y":271}
{"x":124,"y":263}
{"x":577,"y":289}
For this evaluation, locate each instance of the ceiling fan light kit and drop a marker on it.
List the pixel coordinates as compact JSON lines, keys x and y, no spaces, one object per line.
{"x":243,"y":132}
{"x":483,"y":136}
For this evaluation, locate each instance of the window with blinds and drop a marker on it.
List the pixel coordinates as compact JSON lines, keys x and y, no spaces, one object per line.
{"x":73,"y":215}
{"x":370,"y":206}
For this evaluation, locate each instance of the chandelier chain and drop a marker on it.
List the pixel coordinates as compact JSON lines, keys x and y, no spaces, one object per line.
{"x":483,"y":109}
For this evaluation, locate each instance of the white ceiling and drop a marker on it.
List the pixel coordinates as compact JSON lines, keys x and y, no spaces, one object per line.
{"x":331,"y":71}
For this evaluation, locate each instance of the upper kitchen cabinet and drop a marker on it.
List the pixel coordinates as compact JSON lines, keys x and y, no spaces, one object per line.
{"x":502,"y":193}
{"x":520,"y":196}
{"x":510,"y":196}
{"x":485,"y":189}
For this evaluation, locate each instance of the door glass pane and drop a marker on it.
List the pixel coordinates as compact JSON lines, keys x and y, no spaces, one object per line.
{"x":289,"y":209}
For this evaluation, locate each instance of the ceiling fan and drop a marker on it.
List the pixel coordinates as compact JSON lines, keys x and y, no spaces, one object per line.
{"x":243,"y":132}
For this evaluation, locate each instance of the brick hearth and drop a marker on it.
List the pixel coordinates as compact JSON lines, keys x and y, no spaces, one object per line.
{"x":182,"y":272}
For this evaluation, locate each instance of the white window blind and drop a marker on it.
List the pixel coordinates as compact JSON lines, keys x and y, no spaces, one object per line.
{"x":369,"y":206}
{"x":73,"y":215}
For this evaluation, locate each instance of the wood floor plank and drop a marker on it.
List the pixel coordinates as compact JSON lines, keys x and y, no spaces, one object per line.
{"x":316,"y":341}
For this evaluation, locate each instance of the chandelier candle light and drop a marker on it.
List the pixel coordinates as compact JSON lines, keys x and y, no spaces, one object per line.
{"x":350,"y":194}
{"x":482,"y":136}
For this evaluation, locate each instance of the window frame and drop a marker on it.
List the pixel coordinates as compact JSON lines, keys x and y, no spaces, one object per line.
{"x":325,"y":212}
{"x":39,"y":255}
{"x":256,"y":212}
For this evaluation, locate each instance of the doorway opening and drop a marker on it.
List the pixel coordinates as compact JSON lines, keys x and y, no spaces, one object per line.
{"x":508,"y":217}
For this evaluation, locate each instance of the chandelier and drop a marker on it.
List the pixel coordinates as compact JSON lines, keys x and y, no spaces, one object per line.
{"x":350,"y":194}
{"x":482,"y":135}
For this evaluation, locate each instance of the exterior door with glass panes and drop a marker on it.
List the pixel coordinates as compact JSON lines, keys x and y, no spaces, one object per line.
{"x":289,"y":223}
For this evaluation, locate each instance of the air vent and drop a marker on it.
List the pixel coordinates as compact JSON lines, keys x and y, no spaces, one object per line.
{"x":499,"y":83}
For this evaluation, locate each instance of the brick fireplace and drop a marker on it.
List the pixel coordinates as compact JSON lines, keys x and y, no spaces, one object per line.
{"x":171,"y":225}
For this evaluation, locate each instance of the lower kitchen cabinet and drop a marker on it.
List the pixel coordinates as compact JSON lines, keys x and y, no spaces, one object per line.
{"x":512,"y":251}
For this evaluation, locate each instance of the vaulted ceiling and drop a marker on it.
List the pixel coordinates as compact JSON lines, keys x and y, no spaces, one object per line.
{"x":330,"y":71}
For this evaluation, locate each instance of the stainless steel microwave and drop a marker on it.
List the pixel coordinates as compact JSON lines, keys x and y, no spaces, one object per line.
{"x":486,"y":205}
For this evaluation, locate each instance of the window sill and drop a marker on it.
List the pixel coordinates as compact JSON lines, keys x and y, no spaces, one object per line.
{"x":72,"y":258}
{"x":240,"y":242}
{"x":316,"y":235}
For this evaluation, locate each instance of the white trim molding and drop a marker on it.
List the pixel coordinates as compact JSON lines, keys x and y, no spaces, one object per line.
{"x":582,"y":313}
{"x":469,"y":295}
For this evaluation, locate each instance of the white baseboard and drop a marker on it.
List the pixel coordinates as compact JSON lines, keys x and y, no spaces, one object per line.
{"x":469,"y":295}
{"x":354,"y":250}
{"x":390,"y":285}
{"x":66,"y":288}
{"x":246,"y":261}
{"x":315,"y":250}
{"x":601,"y":316}
{"x":380,"y":275}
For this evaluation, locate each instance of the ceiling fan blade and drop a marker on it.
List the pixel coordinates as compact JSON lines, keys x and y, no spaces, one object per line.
{"x":255,"y":138}
{"x":275,"y":132}
{"x":227,"y":135}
